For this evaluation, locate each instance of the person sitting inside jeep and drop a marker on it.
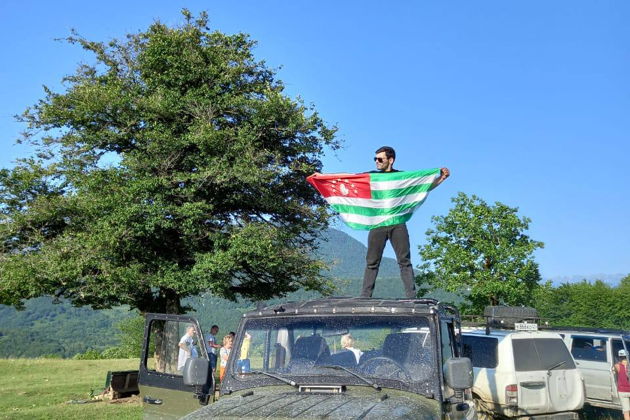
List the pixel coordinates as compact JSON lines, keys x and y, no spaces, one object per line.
{"x":347,"y":342}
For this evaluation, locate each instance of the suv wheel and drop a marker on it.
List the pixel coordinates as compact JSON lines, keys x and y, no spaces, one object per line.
{"x":482,"y":413}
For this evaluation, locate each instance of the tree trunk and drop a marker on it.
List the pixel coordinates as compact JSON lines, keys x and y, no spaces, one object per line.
{"x":172,"y":304}
{"x":166,"y":334}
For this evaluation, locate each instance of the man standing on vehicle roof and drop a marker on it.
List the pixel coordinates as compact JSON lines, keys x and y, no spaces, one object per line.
{"x":623,"y":383}
{"x":396,"y":234}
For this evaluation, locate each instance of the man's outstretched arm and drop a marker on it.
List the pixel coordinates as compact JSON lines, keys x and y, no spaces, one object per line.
{"x":444,"y":173}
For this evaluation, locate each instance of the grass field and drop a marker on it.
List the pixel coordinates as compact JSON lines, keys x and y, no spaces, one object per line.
{"x":41,"y":389}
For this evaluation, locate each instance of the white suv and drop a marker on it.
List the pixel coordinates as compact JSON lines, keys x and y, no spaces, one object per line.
{"x":523,"y":374}
{"x":595,"y":352}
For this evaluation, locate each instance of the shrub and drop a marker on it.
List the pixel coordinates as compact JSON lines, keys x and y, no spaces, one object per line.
{"x":89,"y":354}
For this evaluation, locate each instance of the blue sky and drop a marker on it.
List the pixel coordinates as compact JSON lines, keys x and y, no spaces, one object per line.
{"x":526,"y":102}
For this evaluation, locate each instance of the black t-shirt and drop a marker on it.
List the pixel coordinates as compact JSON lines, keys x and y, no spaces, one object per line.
{"x":381,"y":172}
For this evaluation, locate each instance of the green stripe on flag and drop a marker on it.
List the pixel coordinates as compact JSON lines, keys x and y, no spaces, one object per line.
{"x":400,"y":192}
{"x":389,"y":222}
{"x":395,"y":176}
{"x":372,"y":211}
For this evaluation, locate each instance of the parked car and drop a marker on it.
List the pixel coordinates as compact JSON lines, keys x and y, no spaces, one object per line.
{"x":336,"y":358}
{"x":595,"y":352}
{"x":528,"y":374}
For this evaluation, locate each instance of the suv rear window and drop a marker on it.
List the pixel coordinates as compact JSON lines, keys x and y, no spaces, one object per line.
{"x":482,"y":351}
{"x":541,"y":354}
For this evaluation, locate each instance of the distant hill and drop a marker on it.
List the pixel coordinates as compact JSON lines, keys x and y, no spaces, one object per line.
{"x":47,"y":328}
{"x":345,"y":257}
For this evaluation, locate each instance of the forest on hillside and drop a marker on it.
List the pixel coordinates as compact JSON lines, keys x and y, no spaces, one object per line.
{"x":58,"y":329}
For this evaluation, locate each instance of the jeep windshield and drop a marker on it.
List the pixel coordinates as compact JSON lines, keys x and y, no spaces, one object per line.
{"x":385,"y":351}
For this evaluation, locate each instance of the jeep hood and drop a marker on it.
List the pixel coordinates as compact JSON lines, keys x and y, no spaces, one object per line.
{"x":294,"y":405}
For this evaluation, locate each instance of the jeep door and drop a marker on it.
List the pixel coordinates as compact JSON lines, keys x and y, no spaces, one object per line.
{"x":162,"y":389}
{"x":591,"y":357}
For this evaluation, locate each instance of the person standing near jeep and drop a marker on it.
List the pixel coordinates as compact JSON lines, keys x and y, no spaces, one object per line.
{"x":186,"y":347}
{"x":623,"y":383}
{"x":212,"y":346}
{"x":396,"y":234}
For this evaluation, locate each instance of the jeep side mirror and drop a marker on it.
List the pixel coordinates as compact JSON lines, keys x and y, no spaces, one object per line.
{"x":196,"y":371}
{"x":458,"y":373}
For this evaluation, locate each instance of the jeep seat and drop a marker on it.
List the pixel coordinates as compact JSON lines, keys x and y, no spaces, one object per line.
{"x":406,"y":349}
{"x":344,"y":358}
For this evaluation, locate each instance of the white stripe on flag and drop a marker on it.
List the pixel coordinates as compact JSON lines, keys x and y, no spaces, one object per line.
{"x":402,"y":183}
{"x":378,"y":204}
{"x":371,"y":220}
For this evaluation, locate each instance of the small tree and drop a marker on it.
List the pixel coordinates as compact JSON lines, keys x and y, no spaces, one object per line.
{"x":481,"y":252}
{"x":173,"y":165}
{"x":131,"y":339}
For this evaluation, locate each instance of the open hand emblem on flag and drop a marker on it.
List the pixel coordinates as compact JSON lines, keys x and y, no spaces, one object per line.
{"x":342,"y":185}
{"x":369,"y":200}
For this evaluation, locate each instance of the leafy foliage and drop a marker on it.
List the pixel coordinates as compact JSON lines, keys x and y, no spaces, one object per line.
{"x":585,"y":304}
{"x":481,"y":252}
{"x":130,"y":338}
{"x":89,"y":354}
{"x":172,"y":166}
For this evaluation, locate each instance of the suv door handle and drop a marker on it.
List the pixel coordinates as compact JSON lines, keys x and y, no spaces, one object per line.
{"x":150,"y":400}
{"x":533,"y":383}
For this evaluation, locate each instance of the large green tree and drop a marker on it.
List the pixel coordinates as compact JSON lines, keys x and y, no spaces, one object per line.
{"x":481,"y":251}
{"x":171,"y":165}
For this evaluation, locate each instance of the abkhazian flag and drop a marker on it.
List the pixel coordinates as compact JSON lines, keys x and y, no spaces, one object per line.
{"x":370,"y":200}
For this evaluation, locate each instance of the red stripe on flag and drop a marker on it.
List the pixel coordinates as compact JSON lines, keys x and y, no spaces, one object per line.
{"x":342,"y":185}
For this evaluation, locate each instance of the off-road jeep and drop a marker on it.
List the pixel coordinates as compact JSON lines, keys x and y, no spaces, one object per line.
{"x":334,"y":358}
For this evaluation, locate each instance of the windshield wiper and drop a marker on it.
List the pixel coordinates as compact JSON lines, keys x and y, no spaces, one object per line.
{"x":366,"y":380}
{"x":271,"y":375}
{"x":557,"y":365}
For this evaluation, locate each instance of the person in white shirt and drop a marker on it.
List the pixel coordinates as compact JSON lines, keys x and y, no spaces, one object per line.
{"x":186,"y":348}
{"x":225,"y":354}
{"x":347,"y":342}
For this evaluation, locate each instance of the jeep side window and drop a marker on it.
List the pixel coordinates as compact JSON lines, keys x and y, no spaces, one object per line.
{"x":589,"y":348}
{"x":482,"y":351}
{"x":448,"y":339}
{"x":170,"y":344}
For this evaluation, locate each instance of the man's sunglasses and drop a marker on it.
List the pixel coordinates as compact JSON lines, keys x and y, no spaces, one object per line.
{"x":379,"y":159}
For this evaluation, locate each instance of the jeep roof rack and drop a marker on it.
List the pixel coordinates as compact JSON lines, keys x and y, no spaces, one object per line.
{"x":344,"y":305}
{"x":589,"y":330}
{"x":504,"y":317}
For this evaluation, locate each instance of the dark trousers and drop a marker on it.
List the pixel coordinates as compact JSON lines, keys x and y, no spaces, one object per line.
{"x":399,"y":238}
